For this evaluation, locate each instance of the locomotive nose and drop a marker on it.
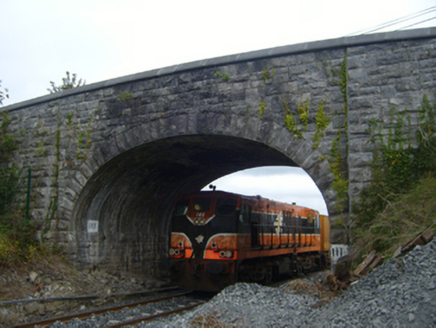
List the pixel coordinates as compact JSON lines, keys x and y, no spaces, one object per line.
{"x":215,"y":268}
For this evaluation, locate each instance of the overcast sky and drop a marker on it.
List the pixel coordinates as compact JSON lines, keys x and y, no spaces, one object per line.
{"x":103,"y":39}
{"x":281,"y":183}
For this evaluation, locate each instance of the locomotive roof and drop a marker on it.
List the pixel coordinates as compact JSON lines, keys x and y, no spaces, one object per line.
{"x":226,"y":193}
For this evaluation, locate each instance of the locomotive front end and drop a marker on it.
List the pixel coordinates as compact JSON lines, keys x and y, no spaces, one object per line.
{"x":203,"y":245}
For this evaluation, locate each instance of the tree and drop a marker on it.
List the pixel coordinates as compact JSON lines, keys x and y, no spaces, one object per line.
{"x":68,"y":82}
{"x":3,"y":93}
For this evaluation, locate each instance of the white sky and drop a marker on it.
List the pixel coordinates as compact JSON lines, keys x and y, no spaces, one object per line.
{"x":281,"y":183}
{"x":103,"y":39}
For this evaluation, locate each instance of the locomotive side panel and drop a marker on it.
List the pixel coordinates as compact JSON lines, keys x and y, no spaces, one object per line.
{"x":282,"y":226}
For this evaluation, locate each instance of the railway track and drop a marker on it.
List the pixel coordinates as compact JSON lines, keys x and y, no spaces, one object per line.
{"x":139,"y":311}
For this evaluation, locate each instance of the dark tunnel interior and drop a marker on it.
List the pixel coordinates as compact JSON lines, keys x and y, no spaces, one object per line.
{"x":131,"y":196}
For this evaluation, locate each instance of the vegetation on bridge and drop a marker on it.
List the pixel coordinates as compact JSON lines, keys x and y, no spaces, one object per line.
{"x":401,"y":198}
{"x":68,"y":82}
{"x":297,"y":124}
{"x":18,"y":233}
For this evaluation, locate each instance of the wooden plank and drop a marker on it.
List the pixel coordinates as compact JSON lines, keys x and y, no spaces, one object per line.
{"x":376,"y":261}
{"x":365,"y":264}
{"x":427,"y":236}
{"x":420,"y":239}
{"x":398,"y":252}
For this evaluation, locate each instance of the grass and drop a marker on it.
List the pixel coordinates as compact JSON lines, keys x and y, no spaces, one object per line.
{"x":41,"y":258}
{"x":399,"y":221}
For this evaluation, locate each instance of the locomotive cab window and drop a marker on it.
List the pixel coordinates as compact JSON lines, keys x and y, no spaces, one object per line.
{"x":181,"y":208}
{"x":244,"y":217}
{"x":317,"y":222}
{"x":202,"y":204}
{"x":226,"y":206}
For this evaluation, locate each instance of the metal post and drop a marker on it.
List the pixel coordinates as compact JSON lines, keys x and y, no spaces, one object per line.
{"x":29,"y":178}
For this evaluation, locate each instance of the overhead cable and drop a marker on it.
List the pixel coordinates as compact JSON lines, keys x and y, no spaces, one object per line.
{"x":395,"y":21}
{"x":418,"y":23}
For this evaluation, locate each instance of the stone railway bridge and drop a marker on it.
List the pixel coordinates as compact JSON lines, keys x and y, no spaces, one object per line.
{"x":108,"y":159}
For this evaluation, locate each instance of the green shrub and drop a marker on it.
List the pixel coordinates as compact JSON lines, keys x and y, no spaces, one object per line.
{"x":17,"y":238}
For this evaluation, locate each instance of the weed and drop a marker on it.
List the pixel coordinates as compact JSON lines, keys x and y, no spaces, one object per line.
{"x":124,"y":96}
{"x":224,"y":77}
{"x":262,"y":106}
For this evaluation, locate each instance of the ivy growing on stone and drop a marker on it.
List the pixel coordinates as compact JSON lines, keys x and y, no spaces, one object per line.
{"x":337,"y":162}
{"x":322,"y":121}
{"x":268,"y":74}
{"x":17,"y":234}
{"x":225,"y":77}
{"x":303,"y":111}
{"x":400,"y":161}
{"x":124,"y":96}
{"x":262,"y":106}
{"x":290,"y":121}
{"x":9,"y":175}
{"x":297,"y":124}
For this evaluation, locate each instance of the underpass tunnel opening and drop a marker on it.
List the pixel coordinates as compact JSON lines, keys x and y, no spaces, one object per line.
{"x":122,"y":216}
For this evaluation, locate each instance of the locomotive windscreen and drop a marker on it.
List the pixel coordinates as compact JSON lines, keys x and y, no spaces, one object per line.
{"x":202,"y":204}
{"x":225,"y":215}
{"x":226,"y":206}
{"x":218,"y":214}
{"x":181,"y":208}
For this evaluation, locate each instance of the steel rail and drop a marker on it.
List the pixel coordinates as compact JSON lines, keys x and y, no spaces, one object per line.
{"x":154,"y":316}
{"x":76,"y":298}
{"x":85,"y":314}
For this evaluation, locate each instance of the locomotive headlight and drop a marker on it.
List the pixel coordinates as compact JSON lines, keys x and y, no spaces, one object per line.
{"x":175,"y":252}
{"x":199,"y":221}
{"x":226,"y":254}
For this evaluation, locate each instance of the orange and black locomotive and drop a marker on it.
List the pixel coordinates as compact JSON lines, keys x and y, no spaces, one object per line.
{"x":219,"y":238}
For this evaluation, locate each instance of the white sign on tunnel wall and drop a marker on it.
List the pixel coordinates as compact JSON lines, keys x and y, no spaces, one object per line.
{"x":92,"y":226}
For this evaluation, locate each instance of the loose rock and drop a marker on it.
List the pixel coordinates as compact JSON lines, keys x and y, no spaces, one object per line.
{"x":400,"y":293}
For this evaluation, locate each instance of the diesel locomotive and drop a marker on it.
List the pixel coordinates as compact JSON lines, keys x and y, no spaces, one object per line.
{"x":220,"y":238}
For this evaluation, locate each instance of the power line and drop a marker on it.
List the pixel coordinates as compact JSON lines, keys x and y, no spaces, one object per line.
{"x":395,"y":21}
{"x":418,"y":23}
{"x":399,"y":20}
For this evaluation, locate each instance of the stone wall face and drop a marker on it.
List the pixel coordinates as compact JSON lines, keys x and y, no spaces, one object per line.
{"x":381,"y":76}
{"x":109,"y":159}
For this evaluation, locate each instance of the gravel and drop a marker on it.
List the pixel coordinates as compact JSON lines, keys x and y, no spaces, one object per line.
{"x":400,"y":293}
{"x":111,"y":318}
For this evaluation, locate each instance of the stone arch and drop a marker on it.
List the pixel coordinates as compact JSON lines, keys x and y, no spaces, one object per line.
{"x":130,"y":195}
